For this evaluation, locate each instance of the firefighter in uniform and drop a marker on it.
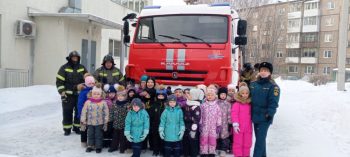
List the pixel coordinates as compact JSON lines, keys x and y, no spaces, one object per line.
{"x":108,"y":73}
{"x":265,"y":95}
{"x":68,"y":77}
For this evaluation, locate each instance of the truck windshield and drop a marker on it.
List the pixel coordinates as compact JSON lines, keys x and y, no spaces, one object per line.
{"x":183,"y":28}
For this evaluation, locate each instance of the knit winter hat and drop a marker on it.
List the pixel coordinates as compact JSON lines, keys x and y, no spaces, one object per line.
{"x":96,"y":89}
{"x":178,"y":88}
{"x":161,"y":92}
{"x":121,"y":91}
{"x":196,"y":94}
{"x":266,"y":65}
{"x":137,"y":102}
{"x":172,"y":98}
{"x":144,"y":78}
{"x":211,"y":91}
{"x":202,"y":87}
{"x":231,"y":86}
{"x":243,"y":87}
{"x":89,"y":81}
{"x":222,"y":90}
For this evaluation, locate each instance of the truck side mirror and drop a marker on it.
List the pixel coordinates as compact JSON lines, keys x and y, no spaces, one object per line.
{"x":242,"y":27}
{"x":241,"y":41}
{"x":126,"y":32}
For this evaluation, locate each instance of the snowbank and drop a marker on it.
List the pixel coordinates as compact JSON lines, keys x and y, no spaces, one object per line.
{"x":13,"y":99}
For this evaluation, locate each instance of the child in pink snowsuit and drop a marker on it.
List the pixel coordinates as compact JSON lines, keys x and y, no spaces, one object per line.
{"x":242,"y":123}
{"x":210,"y":124}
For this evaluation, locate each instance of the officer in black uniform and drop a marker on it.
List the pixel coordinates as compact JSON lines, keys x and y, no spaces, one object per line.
{"x":68,"y":77}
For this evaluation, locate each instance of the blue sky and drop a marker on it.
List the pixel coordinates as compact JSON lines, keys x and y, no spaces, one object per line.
{"x":168,"y":2}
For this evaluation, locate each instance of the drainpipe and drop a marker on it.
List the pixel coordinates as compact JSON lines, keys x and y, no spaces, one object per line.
{"x":122,"y":53}
{"x":89,"y":47}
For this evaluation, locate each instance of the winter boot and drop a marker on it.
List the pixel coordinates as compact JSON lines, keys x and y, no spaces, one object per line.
{"x":76,"y":130}
{"x":67,"y":132}
{"x":112,"y":149}
{"x":89,"y":149}
{"x":222,"y":154}
{"x":98,"y":150}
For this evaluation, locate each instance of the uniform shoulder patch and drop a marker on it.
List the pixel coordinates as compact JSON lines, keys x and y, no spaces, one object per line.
{"x":276,"y":91}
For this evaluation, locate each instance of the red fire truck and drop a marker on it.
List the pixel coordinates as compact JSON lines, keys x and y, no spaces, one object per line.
{"x":187,"y":45}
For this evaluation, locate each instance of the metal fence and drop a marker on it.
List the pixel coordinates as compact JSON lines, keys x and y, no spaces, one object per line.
{"x":14,"y":78}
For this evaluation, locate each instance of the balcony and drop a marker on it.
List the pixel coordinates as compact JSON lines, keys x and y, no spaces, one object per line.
{"x":308,"y":60}
{"x":292,"y":45}
{"x":310,"y":28}
{"x":294,"y":15}
{"x":292,"y":60}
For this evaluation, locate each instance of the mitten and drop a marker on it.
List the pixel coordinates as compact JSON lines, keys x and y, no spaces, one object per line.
{"x":268,"y":117}
{"x":82,"y":127}
{"x":193,"y":134}
{"x":144,"y":135}
{"x":162,"y":135}
{"x":218,"y":130}
{"x":236,"y":127}
{"x":105,"y":127}
{"x":181,"y":134}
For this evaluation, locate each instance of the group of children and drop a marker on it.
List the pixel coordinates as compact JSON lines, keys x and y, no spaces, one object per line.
{"x":200,"y":121}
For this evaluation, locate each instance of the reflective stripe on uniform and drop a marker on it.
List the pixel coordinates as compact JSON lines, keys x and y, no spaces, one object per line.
{"x":121,"y":79}
{"x":76,"y":125}
{"x":68,"y":70}
{"x":60,"y":77}
{"x":102,"y":74}
{"x":80,"y":70}
{"x":115,"y":74}
{"x":69,"y":92}
{"x":60,"y":87}
{"x":67,"y":126}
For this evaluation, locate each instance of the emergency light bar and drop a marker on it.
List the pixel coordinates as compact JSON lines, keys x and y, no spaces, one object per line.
{"x":152,"y":7}
{"x":219,"y":4}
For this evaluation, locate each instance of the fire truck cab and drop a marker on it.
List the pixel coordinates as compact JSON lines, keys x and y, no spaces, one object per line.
{"x":187,"y":45}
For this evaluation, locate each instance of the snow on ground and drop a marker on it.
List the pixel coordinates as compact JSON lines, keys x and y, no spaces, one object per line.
{"x":311,"y":121}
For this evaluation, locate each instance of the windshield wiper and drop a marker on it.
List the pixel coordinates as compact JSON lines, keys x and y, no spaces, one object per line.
{"x":193,"y":37}
{"x":174,"y":38}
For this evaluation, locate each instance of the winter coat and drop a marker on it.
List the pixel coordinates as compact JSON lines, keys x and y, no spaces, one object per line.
{"x":118,"y":114}
{"x":68,"y":77}
{"x":109,"y":76}
{"x":83,"y":96}
{"x":210,"y":125}
{"x":181,"y":101}
{"x":226,"y":118}
{"x":265,"y":95}
{"x":136,"y":123}
{"x":192,"y":114}
{"x":172,"y":123}
{"x":155,"y":112}
{"x":241,"y":117}
{"x":148,"y":103}
{"x":247,"y":77}
{"x":95,"y":112}
{"x":241,"y":114}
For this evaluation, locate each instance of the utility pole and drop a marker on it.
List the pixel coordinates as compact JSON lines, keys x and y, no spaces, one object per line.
{"x":343,"y":38}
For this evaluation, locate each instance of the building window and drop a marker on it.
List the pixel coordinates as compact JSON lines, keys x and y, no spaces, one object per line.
{"x":115,"y":47}
{"x":136,"y":5}
{"x":282,"y":26}
{"x":281,"y":11}
{"x":266,"y":33}
{"x":255,"y":28}
{"x":310,"y":6}
{"x":292,"y":69}
{"x":347,"y":61}
{"x":309,"y":70}
{"x":329,"y":21}
{"x":328,"y":37}
{"x":294,"y":7}
{"x":310,"y":20}
{"x":293,"y":38}
{"x":309,"y":52}
{"x":293,"y":53}
{"x":279,"y":54}
{"x":255,"y":15}
{"x":310,"y":37}
{"x":331,"y":5}
{"x":327,"y":70}
{"x":295,"y":23}
{"x":327,"y":54}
